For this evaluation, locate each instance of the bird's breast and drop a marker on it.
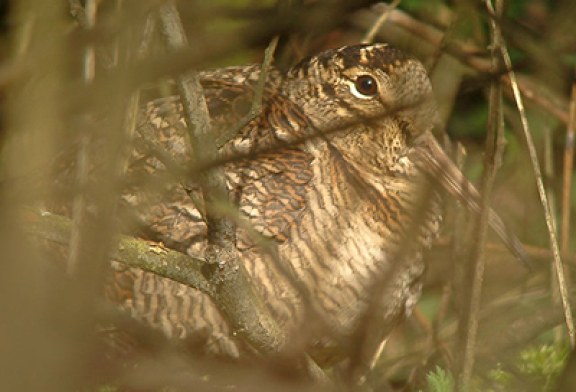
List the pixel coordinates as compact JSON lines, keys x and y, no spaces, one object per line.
{"x":351,"y":242}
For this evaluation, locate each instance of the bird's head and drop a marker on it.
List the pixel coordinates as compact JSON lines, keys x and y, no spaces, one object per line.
{"x":359,"y":83}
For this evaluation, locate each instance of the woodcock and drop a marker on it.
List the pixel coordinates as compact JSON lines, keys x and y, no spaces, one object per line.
{"x":342,"y":176}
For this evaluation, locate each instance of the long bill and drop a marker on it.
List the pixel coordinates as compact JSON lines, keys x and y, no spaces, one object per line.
{"x":432,"y":159}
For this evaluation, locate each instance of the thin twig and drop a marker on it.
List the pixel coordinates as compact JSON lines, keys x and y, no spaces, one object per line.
{"x":87,"y":19}
{"x":567,"y":174}
{"x":566,"y":192}
{"x":549,"y":175}
{"x":148,"y":31}
{"x":542,"y":193}
{"x":457,"y":219}
{"x":444,"y":245}
{"x":468,"y":325}
{"x":256,"y":107}
{"x":387,"y":8}
{"x":439,"y":50}
{"x":522,"y":325}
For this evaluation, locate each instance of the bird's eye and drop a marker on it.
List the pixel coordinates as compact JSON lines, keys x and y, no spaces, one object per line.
{"x":366,"y":85}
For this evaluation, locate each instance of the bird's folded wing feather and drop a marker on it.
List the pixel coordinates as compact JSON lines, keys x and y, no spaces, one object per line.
{"x":268,"y":184}
{"x":433,"y":160}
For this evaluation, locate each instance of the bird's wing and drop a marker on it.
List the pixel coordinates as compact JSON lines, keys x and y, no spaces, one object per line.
{"x":432,"y":159}
{"x":272,"y":196}
{"x":266,"y":178}
{"x":272,"y":180}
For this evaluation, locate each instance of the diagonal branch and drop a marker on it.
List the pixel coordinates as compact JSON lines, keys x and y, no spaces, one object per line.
{"x":256,"y":107}
{"x":146,"y":255}
{"x":468,"y":323}
{"x":233,"y":291}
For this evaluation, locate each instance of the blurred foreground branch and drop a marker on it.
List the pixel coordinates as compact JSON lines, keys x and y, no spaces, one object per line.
{"x":248,"y":314}
{"x":146,"y":255}
{"x":468,"y":322}
{"x":155,"y":258}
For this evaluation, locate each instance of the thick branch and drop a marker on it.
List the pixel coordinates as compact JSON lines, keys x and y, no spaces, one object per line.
{"x":235,"y":296}
{"x":146,"y":255}
{"x":233,"y":291}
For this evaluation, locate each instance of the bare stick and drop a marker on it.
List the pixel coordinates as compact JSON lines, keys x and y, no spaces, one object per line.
{"x":468,"y":325}
{"x":256,"y":107}
{"x":567,"y":174}
{"x":566,"y":192}
{"x":220,"y":229}
{"x":559,"y":268}
{"x":387,"y":9}
{"x":145,"y":255}
{"x":87,"y":19}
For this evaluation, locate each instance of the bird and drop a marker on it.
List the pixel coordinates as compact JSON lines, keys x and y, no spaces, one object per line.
{"x":339,"y":173}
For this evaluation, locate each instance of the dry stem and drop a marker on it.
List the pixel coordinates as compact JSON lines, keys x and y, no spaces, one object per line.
{"x":542,"y":193}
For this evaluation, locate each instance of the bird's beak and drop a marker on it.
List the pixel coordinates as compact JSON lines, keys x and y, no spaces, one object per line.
{"x":432,"y":159}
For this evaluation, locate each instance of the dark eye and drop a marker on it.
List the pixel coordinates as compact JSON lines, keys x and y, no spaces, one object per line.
{"x":366,"y":85}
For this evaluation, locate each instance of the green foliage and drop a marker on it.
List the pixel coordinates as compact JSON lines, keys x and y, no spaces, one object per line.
{"x":501,"y":379}
{"x":569,"y":59}
{"x":537,"y":368}
{"x":543,"y":364}
{"x":439,"y":380}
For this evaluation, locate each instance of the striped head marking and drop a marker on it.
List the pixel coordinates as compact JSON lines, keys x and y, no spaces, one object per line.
{"x":360,"y":83}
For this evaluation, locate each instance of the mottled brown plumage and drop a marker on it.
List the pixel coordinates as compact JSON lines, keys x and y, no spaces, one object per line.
{"x":333,"y":183}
